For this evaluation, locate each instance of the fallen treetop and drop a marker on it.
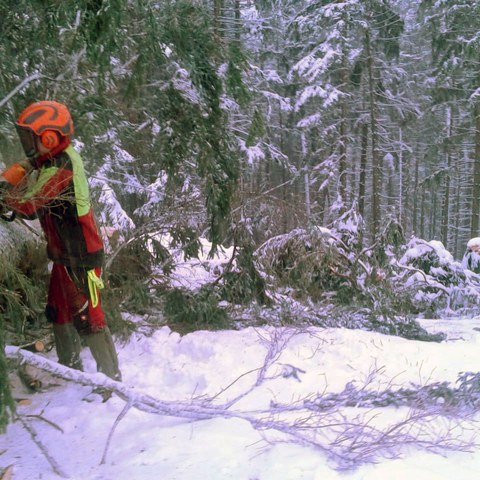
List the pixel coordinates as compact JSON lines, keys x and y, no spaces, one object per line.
{"x":348,"y":442}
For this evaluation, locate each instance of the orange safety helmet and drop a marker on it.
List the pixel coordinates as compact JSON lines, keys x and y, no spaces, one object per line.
{"x":48,"y":120}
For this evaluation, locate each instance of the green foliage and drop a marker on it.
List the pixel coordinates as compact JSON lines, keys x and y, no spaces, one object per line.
{"x":431,"y":259}
{"x":357,"y":72}
{"x":20,"y":297}
{"x":310,"y":263}
{"x":118,"y":64}
{"x":99,"y":27}
{"x":453,"y":26}
{"x":390,"y":240}
{"x":178,"y":137}
{"x":133,"y":297}
{"x":21,"y":300}
{"x":390,"y":27}
{"x":7,"y":404}
{"x":391,"y":322}
{"x":195,"y":310}
{"x":244,"y":284}
{"x":257,"y":128}
{"x":128,"y":275}
{"x":189,"y":28}
{"x":236,"y":65}
{"x":188,"y":239}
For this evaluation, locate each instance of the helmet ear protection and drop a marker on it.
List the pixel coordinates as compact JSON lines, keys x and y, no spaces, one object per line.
{"x":50,"y":139}
{"x":50,"y":121}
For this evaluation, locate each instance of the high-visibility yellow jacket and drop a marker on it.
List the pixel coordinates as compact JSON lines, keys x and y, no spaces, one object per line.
{"x":60,"y":199}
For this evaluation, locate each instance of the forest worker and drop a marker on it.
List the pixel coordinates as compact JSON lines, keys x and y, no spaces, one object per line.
{"x":59,"y":197}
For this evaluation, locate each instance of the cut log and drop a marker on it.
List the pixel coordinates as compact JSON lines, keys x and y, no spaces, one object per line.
{"x":36,"y":346}
{"x":7,"y":473}
{"x":29,"y":378}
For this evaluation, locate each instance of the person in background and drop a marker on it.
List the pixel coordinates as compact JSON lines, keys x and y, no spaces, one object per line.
{"x":58,"y":196}
{"x":471,"y":258}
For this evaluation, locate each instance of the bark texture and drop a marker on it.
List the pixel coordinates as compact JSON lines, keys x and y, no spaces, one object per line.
{"x":21,"y":246}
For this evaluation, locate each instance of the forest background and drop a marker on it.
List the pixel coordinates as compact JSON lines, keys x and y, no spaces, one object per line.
{"x":333,"y":147}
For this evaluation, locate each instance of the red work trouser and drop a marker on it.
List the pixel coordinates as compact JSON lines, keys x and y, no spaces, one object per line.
{"x":69,"y":299}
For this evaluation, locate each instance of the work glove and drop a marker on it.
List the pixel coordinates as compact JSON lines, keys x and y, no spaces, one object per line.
{"x":81,"y":321}
{"x":11,"y":178}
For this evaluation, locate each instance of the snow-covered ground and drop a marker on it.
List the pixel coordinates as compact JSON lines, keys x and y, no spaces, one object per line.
{"x":226,"y":366}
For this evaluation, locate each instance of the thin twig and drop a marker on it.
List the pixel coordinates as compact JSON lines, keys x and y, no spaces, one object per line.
{"x":53,"y":463}
{"x":46,"y":420}
{"x":121,"y":415}
{"x":31,"y":78}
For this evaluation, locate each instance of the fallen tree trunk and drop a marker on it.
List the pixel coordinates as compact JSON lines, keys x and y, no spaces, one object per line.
{"x":21,"y":246}
{"x":14,"y":236}
{"x":147,"y":403}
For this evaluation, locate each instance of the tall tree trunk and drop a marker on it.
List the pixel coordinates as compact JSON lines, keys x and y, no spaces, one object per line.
{"x":422,"y":211}
{"x":447,"y":186}
{"x":325,"y":204}
{"x":217,"y":13}
{"x":342,"y":160}
{"x":306,"y":177}
{"x":284,"y":177}
{"x":415,"y":196}
{"x":362,"y":177}
{"x":446,"y":208}
{"x":433,"y":210}
{"x":376,"y":179}
{"x":463,"y":172}
{"x":400,"y":179}
{"x":237,"y":20}
{"x":458,"y":189}
{"x":308,"y":207}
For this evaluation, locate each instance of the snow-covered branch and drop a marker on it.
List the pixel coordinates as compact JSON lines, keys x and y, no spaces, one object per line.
{"x":322,"y":422}
{"x":26,"y":81}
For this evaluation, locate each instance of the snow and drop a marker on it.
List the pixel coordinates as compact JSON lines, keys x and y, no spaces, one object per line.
{"x":474,"y":243}
{"x":329,"y":95}
{"x":311,"y":67}
{"x":421,"y":247}
{"x":224,"y":366}
{"x":254,"y":153}
{"x":310,"y":121}
{"x":193,"y":273}
{"x":271,"y":75}
{"x":112,"y":213}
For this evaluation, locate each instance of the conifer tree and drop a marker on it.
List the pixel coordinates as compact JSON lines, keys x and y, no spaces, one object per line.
{"x":143,"y":82}
{"x":453,"y":28}
{"x":350,"y":45}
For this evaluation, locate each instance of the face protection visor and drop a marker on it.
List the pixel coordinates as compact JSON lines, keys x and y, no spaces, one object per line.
{"x":27,"y":138}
